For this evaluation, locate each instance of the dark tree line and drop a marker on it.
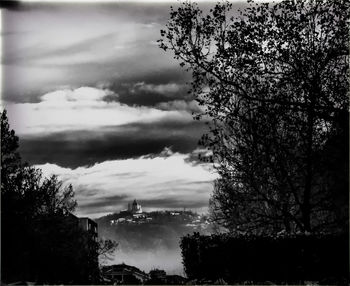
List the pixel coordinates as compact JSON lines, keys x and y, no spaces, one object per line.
{"x":275,"y":83}
{"x":284,"y":259}
{"x":41,"y":240}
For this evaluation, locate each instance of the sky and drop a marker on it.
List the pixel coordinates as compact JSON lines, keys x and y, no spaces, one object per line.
{"x":97,"y":102}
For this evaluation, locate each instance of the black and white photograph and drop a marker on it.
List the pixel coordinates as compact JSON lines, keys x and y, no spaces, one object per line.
{"x":175,"y":142}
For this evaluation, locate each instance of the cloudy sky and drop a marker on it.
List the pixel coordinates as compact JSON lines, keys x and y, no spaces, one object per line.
{"x":94,"y":100}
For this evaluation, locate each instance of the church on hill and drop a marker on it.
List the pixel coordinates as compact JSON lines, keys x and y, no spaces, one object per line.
{"x":134,"y":208}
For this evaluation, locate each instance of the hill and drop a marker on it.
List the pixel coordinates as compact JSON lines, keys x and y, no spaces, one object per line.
{"x":152,"y":237}
{"x":151,"y":229}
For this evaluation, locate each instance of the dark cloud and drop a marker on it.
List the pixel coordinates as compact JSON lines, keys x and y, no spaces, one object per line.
{"x":119,"y":202}
{"x":106,"y":202}
{"x":13,"y":58}
{"x":101,"y":75}
{"x":11,"y":5}
{"x":174,"y":203}
{"x":151,"y":92}
{"x":73,"y":149}
{"x":74,"y":44}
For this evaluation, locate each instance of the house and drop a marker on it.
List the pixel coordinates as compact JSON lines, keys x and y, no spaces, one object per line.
{"x":157,"y":274}
{"x":159,"y":277}
{"x":124,"y":274}
{"x":88,"y":225}
{"x":84,"y":223}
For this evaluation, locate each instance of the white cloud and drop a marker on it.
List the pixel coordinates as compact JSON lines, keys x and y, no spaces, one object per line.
{"x":83,"y":96}
{"x":168,"y":179}
{"x":81,"y":109}
{"x":150,"y":25}
{"x":159,"y":88}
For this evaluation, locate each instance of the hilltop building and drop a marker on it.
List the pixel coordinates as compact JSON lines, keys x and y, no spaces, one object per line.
{"x":134,"y":208}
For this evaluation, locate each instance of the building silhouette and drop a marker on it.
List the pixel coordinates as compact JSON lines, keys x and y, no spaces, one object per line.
{"x":134,"y":208}
{"x":89,"y":226}
{"x":124,"y":274}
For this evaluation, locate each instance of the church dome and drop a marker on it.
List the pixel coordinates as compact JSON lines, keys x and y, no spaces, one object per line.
{"x":136,"y":208}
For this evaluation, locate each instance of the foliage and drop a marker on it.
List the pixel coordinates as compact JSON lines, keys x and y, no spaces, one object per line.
{"x":41,"y":239}
{"x":10,"y":158}
{"x":275,"y":83}
{"x":280,"y":259}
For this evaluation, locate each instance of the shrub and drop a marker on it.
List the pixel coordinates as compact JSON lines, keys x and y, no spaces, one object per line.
{"x":279,"y":259}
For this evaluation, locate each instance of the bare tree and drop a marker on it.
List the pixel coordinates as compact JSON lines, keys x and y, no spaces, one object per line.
{"x":274,"y":82}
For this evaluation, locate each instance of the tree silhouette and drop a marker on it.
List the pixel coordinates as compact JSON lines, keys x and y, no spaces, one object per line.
{"x":41,"y":240}
{"x":274,"y":82}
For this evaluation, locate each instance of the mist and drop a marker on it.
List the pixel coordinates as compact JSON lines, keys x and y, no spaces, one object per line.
{"x":168,"y":259}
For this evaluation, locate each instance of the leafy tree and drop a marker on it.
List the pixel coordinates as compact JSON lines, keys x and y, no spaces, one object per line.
{"x":274,"y":81}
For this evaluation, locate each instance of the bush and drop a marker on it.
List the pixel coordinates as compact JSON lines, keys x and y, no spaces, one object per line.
{"x":280,"y":259}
